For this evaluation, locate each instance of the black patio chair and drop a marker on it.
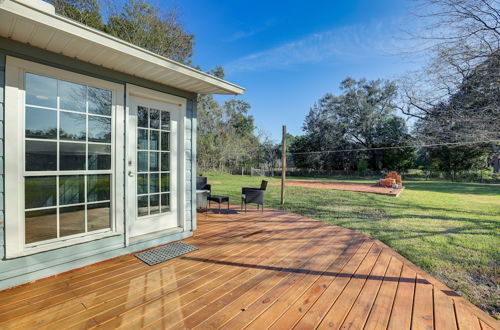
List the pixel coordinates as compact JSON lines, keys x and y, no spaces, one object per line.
{"x":202,"y":183}
{"x":203,"y":191}
{"x":251,"y":195}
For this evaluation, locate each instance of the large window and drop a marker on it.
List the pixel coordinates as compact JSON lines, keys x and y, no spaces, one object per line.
{"x":60,"y":156}
{"x":68,"y":152}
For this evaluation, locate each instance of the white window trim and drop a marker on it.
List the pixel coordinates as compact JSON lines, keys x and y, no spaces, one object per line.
{"x":14,"y":158}
{"x":133,"y":90}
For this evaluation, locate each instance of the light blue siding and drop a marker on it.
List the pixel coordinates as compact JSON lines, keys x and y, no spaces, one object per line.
{"x":25,"y":269}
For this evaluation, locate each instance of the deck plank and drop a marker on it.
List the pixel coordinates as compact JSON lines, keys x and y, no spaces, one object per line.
{"x":277,"y":270}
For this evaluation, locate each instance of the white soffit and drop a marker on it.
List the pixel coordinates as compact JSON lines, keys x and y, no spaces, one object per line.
{"x":34,"y":22}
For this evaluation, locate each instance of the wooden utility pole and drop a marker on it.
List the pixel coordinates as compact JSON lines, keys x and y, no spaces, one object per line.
{"x":283,"y":165}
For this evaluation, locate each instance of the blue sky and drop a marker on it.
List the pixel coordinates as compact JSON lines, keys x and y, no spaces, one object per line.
{"x":288,"y":54}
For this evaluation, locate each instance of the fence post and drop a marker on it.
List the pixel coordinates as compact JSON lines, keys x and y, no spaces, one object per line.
{"x":283,"y":165}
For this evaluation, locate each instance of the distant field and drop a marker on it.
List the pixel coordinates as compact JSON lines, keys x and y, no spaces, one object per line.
{"x":452,"y":230}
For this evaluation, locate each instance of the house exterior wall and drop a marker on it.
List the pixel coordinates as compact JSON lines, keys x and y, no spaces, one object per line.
{"x":24,"y":269}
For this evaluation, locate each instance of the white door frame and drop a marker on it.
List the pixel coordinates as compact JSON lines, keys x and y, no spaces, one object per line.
{"x":180,"y":104}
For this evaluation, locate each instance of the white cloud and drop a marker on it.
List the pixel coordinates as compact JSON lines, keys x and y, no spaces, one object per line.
{"x":340,"y":44}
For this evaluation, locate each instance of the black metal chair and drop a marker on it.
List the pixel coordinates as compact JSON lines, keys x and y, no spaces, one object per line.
{"x":251,"y":195}
{"x":203,"y":191}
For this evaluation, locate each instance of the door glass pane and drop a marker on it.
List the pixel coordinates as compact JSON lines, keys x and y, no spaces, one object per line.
{"x":72,"y":96}
{"x":165,"y":182}
{"x":71,"y":189}
{"x":154,"y":183}
{"x":154,"y":204}
{"x":71,"y":156}
{"x":142,"y":161}
{"x":154,"y":143}
{"x":99,"y":101}
{"x":142,"y":205}
{"x":41,"y":123}
{"x":165,"y":141}
{"x":99,"y":129}
{"x":154,"y":118}
{"x":39,"y":191}
{"x":98,"y":216}
{"x":153,"y":161}
{"x":40,"y":225}
{"x":73,"y":126}
{"x":98,"y":187}
{"x":165,"y":120}
{"x":165,"y":161}
{"x":142,"y":139}
{"x":41,"y":156}
{"x":71,"y":220}
{"x":142,"y":184}
{"x":99,"y":157}
{"x":165,"y":203}
{"x":142,"y":117}
{"x":41,"y":91}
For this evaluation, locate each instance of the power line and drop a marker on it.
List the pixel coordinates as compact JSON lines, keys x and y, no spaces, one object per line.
{"x":455,"y":144}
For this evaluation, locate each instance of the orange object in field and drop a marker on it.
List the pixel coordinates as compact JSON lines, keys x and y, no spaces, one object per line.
{"x":391,"y":179}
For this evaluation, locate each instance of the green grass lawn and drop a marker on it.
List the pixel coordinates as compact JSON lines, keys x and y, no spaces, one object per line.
{"x":452,"y":230}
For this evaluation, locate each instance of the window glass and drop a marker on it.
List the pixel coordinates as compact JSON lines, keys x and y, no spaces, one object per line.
{"x":98,"y":188}
{"x":165,"y":141}
{"x":165,"y":120}
{"x":154,"y":204}
{"x":142,"y":184}
{"x":99,"y":129}
{"x":73,"y":126}
{"x":41,"y":91}
{"x":72,"y":96}
{"x":40,"y":191}
{"x":68,"y":127}
{"x":165,"y":203}
{"x":142,"y":161}
{"x":154,"y":118}
{"x":99,"y":101}
{"x":154,"y":143}
{"x":98,"y":216}
{"x":40,"y":225}
{"x":153,"y":161}
{"x":165,"y":182}
{"x":41,"y":156}
{"x":154,"y":183}
{"x":41,"y":123}
{"x":165,"y":161}
{"x":99,"y":157}
{"x":142,"y":139}
{"x":71,"y":189}
{"x":72,"y":156}
{"x":71,"y":220}
{"x":142,"y":117}
{"x":142,"y":205}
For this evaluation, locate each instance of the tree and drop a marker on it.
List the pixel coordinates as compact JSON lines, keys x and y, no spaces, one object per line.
{"x":87,"y":12}
{"x":355,"y":119}
{"x":146,"y":26}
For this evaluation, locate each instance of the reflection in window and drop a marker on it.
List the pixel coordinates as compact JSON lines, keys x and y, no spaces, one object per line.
{"x":41,"y":123}
{"x":165,"y":161}
{"x":154,"y":118}
{"x":41,"y":91}
{"x":99,"y":101}
{"x":98,"y":188}
{"x":142,"y":184}
{"x":154,"y":143}
{"x":142,"y":117}
{"x":142,"y":139}
{"x":41,"y":156}
{"x":39,"y":191}
{"x":71,"y":189}
{"x":40,"y":225}
{"x":71,"y":220}
{"x":73,"y":126}
{"x":154,"y":183}
{"x":142,"y":205}
{"x":154,"y":204}
{"x":99,"y":157}
{"x":98,"y":216}
{"x":72,"y":96}
{"x":71,"y":156}
{"x":165,"y":203}
{"x":142,"y":161}
{"x":99,"y":129}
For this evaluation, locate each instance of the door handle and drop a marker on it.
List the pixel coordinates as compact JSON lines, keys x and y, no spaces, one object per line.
{"x":131,"y":174}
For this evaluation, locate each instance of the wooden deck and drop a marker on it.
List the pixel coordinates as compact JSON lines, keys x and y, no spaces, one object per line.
{"x":277,"y":271}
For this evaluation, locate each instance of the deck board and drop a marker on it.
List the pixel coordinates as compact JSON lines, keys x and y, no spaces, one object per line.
{"x":276,"y":271}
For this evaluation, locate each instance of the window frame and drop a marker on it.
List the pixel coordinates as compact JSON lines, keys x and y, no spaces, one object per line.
{"x":15,"y":158}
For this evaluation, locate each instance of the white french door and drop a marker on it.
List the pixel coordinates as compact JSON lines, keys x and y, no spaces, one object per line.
{"x":152,"y":171}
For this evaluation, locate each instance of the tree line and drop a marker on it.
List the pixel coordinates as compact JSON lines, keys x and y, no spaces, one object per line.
{"x":436,"y":118}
